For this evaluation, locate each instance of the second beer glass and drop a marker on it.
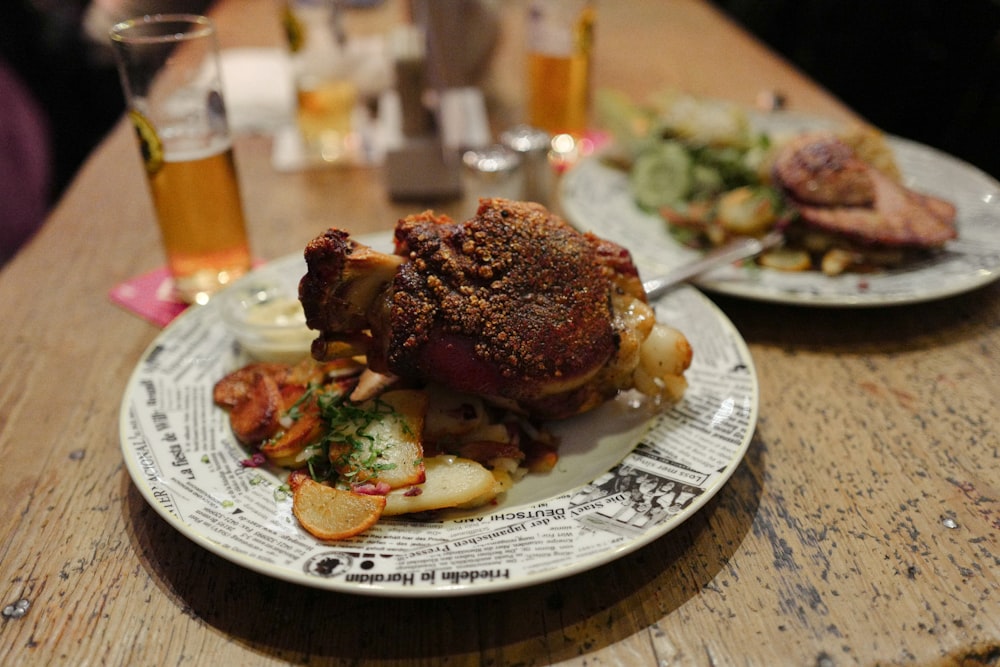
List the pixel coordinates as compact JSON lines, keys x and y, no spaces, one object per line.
{"x":560,"y":38}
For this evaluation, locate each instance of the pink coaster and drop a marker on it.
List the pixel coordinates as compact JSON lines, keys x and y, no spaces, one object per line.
{"x":150,"y":296}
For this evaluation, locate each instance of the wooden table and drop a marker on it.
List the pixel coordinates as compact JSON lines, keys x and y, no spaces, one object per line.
{"x":861,"y":528}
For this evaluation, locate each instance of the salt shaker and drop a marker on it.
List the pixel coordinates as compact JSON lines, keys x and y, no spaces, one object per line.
{"x":532,"y":145}
{"x":492,"y":171}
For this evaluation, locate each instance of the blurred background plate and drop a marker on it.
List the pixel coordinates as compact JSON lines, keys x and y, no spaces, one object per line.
{"x":597,"y":198}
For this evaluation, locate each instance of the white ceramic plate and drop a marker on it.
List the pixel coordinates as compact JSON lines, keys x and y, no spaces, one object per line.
{"x":625,"y":477}
{"x":597,"y":198}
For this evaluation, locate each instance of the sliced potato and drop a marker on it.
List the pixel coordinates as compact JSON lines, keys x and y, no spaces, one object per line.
{"x":387,"y":449}
{"x":451,"y":481}
{"x":746,"y":211}
{"x":835,"y":261}
{"x":334,"y":514}
{"x":786,"y":259}
{"x":504,"y":480}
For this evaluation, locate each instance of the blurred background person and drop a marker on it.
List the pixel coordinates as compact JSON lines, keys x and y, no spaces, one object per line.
{"x":25,"y":163}
{"x":59,"y":96}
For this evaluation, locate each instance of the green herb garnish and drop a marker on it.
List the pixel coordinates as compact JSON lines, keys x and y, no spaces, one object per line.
{"x":351,"y":449}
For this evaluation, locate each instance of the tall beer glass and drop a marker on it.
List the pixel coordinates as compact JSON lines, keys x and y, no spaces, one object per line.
{"x":170,"y":72}
{"x":560,"y":37}
{"x":323,"y":67}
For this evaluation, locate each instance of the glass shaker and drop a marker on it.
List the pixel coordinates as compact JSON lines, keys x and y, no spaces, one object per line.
{"x":532,"y":145}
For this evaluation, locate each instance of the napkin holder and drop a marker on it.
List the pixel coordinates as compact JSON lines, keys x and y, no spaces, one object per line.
{"x":429,"y":167}
{"x":421,"y":169}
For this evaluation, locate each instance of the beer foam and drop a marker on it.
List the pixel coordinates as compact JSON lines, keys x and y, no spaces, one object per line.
{"x":186,"y":149}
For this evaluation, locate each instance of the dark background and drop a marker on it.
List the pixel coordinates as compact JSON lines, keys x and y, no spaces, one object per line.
{"x":922,"y":69}
{"x":74,"y":82}
{"x":54,"y":74}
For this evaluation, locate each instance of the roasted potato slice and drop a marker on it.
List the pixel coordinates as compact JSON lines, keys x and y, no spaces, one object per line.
{"x":334,"y":514}
{"x":746,"y":211}
{"x":288,"y":448}
{"x":786,"y":259}
{"x":256,"y":416}
{"x":233,"y":387}
{"x":451,"y":414}
{"x":836,"y":260}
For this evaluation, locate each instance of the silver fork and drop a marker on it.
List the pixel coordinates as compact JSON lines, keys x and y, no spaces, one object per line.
{"x":733,"y":251}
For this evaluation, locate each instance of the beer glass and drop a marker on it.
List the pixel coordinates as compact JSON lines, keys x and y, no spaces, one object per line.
{"x":323,"y":67}
{"x":170,"y":72}
{"x":559,"y":41}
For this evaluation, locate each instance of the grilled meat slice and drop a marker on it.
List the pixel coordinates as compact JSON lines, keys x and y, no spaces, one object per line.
{"x":822,"y":170}
{"x":513,"y":305}
{"x":898,"y":217}
{"x":836,"y":192}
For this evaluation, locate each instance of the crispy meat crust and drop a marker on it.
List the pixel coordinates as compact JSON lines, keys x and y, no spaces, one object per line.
{"x":327,"y":254}
{"x":516,"y":288}
{"x":514,"y":305}
{"x":344,"y":282}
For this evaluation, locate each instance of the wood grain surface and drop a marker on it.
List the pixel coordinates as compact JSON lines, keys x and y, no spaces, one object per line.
{"x":861,"y":528}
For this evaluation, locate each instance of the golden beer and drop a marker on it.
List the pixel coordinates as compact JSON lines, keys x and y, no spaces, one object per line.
{"x":325,"y":110}
{"x":558,"y":57}
{"x":169,"y":68}
{"x":197,"y":201}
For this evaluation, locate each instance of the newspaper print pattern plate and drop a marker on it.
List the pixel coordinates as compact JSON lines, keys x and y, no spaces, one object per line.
{"x":626,"y":476}
{"x":597,"y":198}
